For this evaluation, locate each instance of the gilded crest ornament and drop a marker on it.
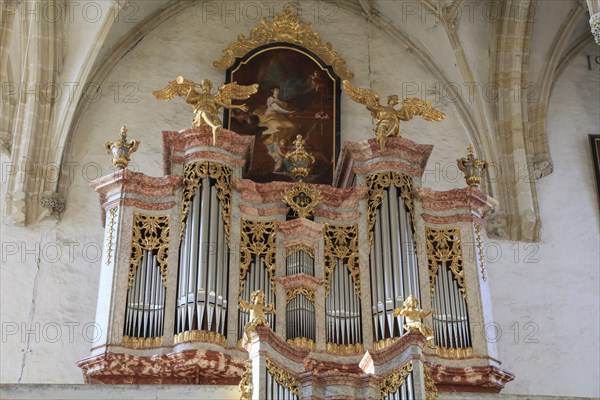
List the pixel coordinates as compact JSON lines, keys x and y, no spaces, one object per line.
{"x":388,"y":117}
{"x":285,"y":27}
{"x":302,"y":198}
{"x":472,"y":167}
{"x":121,"y":149}
{"x":207,"y":104}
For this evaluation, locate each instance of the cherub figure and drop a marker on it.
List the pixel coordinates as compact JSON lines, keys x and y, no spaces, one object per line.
{"x":388,"y":117}
{"x":257,"y":312}
{"x":206,"y":104}
{"x":412,"y":318}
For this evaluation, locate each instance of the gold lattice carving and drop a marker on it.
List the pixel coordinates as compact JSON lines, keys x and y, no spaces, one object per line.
{"x":394,"y":381}
{"x":299,"y":247}
{"x":258,"y":238}
{"x":444,"y":247}
{"x":150,"y":232}
{"x":112,"y":213}
{"x":291,"y":293}
{"x":431,"y":392}
{"x":285,"y":27}
{"x":283,"y":377}
{"x":192,"y":179}
{"x":377,"y":184}
{"x":341,"y":242}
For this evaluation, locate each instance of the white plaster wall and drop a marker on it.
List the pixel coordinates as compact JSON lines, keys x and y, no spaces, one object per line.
{"x":554,"y":285}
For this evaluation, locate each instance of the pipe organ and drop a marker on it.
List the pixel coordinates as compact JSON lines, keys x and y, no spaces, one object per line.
{"x":203,"y":267}
{"x":182,"y":251}
{"x":393,"y":260}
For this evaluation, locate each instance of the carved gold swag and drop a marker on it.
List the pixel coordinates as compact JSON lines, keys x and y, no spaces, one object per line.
{"x":341,"y":242}
{"x":150,"y":232}
{"x":192,"y":179}
{"x":283,"y":377}
{"x":258,"y":238}
{"x":444,"y":247}
{"x":394,"y":381}
{"x":377,"y":184}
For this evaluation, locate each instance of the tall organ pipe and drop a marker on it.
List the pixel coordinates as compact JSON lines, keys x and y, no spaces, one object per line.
{"x":203,"y":265}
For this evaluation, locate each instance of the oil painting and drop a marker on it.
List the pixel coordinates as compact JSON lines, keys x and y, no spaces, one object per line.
{"x":297,"y":94}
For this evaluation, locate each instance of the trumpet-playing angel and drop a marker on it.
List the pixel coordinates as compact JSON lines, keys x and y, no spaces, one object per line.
{"x":206,"y":104}
{"x":388,"y":117}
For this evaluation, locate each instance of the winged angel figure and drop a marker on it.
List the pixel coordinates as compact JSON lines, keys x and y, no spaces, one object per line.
{"x":206,"y":104}
{"x":388,"y":118}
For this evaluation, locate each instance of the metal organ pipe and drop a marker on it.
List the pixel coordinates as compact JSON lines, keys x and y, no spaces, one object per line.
{"x":203,"y":265}
{"x":145,"y":303}
{"x":393,"y":266}
{"x":451,"y":322}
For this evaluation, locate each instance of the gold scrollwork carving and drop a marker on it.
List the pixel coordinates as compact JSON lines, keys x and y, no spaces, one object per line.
{"x":382,"y":344}
{"x":444,"y":247}
{"x":291,"y":293}
{"x":246,"y":382}
{"x":258,"y":238}
{"x":112,"y":213}
{"x":200,"y":336}
{"x":141,"y":343}
{"x":285,"y":27}
{"x":150,"y":232}
{"x":341,"y":242}
{"x":345,"y":349}
{"x":299,"y":247}
{"x":431,"y":392}
{"x":480,"y":250}
{"x":377,"y":184}
{"x":394,"y":381}
{"x":303,"y":342}
{"x":192,"y":179}
{"x":454,"y":352}
{"x":283,"y":377}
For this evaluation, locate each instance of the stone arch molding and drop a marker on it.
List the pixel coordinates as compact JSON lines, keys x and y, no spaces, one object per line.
{"x":516,"y":220}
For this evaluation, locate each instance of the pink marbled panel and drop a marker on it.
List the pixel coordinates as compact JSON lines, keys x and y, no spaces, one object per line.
{"x":240,"y":147}
{"x":471,"y":379}
{"x":186,"y":367}
{"x":472,"y":199}
{"x":365,"y":158}
{"x":308,"y":231}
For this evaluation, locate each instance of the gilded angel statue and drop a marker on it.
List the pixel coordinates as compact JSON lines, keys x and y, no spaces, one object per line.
{"x":412,"y":316}
{"x":258,"y":309}
{"x":388,"y":117}
{"x":206,"y":104}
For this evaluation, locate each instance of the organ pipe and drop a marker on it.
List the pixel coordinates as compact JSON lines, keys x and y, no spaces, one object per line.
{"x":393,"y":265}
{"x":450,"y":321}
{"x":203,"y":265}
{"x":144,"y":314}
{"x":343,"y":308}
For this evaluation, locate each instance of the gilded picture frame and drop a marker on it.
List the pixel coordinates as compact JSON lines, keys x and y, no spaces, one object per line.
{"x":299,"y":94}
